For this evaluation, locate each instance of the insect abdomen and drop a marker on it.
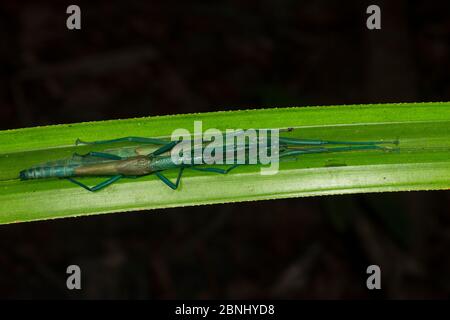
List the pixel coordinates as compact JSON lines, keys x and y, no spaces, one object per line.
{"x":47,"y":172}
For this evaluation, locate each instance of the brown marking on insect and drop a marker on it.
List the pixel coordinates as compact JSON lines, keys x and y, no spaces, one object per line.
{"x":144,"y":150}
{"x":135,"y":166}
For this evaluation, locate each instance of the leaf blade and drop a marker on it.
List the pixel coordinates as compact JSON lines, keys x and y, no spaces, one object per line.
{"x":423,"y":163}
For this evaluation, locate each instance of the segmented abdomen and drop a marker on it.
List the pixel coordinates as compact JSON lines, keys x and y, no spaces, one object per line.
{"x":47,"y":172}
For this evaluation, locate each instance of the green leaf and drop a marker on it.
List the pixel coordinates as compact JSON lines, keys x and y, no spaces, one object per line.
{"x":423,"y":162}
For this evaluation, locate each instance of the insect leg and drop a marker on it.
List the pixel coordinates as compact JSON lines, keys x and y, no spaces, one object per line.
{"x":294,"y":152}
{"x":164,"y":148}
{"x":169,"y":183}
{"x":216,"y":170}
{"x":125,"y":139}
{"x":99,"y":186}
{"x":99,"y":155}
{"x":303,"y":142}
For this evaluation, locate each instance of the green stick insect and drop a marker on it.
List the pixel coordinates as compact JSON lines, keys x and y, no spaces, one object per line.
{"x":133,"y":162}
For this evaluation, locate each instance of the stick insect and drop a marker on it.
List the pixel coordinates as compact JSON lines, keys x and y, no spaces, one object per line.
{"x":133,"y":162}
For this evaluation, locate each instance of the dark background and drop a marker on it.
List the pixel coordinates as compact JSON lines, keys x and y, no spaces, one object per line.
{"x":141,"y":58}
